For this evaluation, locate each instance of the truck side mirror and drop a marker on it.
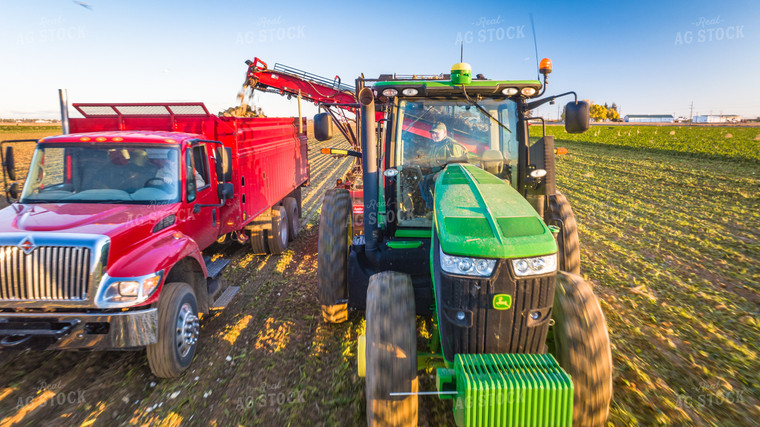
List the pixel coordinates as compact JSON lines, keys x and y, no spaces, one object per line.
{"x":323,"y":127}
{"x":227,"y":164}
{"x":9,"y":163}
{"x":13,"y":192}
{"x":576,"y":117}
{"x":225,"y":191}
{"x":224,"y":164}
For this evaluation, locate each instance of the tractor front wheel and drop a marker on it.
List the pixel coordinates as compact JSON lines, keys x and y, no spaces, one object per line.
{"x":559,"y":213}
{"x":335,"y":236}
{"x":582,"y":347}
{"x":391,"y":352}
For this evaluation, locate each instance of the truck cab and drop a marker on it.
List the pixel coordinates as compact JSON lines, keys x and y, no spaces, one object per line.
{"x":104,"y":248}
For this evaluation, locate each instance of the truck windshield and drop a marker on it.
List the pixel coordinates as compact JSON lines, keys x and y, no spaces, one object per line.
{"x":434,"y":132}
{"x":103,"y":174}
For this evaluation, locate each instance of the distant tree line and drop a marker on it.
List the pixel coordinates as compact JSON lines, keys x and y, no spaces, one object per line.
{"x":604,"y":112}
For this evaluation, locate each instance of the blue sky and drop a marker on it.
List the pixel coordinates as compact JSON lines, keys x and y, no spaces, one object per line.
{"x":650,"y":57}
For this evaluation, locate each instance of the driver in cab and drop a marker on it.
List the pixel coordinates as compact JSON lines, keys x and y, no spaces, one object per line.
{"x":442,"y":147}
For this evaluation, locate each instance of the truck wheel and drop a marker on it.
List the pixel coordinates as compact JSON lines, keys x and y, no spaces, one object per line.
{"x":559,"y":213}
{"x":277,"y":237}
{"x":335,"y":234}
{"x":291,"y":209}
{"x":391,"y":352}
{"x":259,"y":242}
{"x":582,"y":347}
{"x":178,"y":331}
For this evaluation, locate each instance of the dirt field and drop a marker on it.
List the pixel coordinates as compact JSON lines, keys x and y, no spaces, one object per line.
{"x":671,"y":243}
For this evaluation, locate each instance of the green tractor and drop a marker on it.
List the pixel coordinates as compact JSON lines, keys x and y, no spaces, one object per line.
{"x":463,"y":229}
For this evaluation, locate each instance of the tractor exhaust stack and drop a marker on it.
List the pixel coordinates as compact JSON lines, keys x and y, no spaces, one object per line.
{"x":369,"y":165}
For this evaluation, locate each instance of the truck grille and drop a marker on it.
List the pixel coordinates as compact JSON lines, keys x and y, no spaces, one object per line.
{"x":55,"y":273}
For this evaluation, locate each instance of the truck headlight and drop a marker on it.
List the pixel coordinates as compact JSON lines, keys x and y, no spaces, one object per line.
{"x":126,"y":291}
{"x":535,"y":266}
{"x":467,"y":266}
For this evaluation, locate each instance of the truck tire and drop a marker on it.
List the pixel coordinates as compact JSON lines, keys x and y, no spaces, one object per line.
{"x":560,"y":213}
{"x":582,"y":347}
{"x":391,"y":350}
{"x":335,"y":234}
{"x":178,"y":331}
{"x":277,"y":237}
{"x":259,"y":242}
{"x":291,"y":209}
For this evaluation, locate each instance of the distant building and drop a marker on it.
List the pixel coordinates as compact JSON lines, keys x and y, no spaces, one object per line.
{"x":649,"y":118}
{"x":717,"y":118}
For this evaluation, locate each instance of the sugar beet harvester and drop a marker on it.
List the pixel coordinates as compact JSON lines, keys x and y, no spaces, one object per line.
{"x":463,"y":226}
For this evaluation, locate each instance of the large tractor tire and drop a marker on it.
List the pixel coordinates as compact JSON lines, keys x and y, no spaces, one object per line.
{"x":559,"y":213}
{"x":391,"y":352}
{"x":335,"y":234}
{"x":178,"y":330}
{"x":291,"y":209}
{"x":277,"y":237}
{"x":582,"y":347}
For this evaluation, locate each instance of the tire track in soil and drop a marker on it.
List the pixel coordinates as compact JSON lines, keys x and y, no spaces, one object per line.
{"x":256,"y":362}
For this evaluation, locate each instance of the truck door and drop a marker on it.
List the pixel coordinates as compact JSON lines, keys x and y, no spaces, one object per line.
{"x":202,"y":223}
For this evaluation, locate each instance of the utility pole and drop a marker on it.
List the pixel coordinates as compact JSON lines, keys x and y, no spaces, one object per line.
{"x":691,"y":113}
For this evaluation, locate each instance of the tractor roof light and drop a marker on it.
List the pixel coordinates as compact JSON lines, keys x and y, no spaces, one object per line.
{"x":410,"y":91}
{"x":546,"y":66}
{"x":528,"y":91}
{"x":390,"y":92}
{"x":510,"y":91}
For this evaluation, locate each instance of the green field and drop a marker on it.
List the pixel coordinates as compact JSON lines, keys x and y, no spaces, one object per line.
{"x":700,"y":141}
{"x":673,"y":244}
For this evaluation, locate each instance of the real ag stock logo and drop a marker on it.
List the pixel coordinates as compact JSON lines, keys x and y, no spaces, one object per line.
{"x":709,"y":30}
{"x":490,"y":30}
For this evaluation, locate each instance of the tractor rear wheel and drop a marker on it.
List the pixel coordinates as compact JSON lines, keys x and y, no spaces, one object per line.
{"x":559,"y":213}
{"x":582,"y":347}
{"x":335,"y":234}
{"x":391,"y":352}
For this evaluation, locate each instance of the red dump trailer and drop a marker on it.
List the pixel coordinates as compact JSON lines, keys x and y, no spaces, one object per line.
{"x":103,"y":248}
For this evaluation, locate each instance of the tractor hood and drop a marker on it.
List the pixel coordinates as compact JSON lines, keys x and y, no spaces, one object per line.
{"x":479,"y":215}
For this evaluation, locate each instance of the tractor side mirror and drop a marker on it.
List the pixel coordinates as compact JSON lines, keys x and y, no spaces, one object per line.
{"x":323,"y":127}
{"x":9,"y":163}
{"x":576,"y":117}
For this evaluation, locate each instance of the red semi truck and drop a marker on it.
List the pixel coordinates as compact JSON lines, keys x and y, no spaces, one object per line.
{"x":104,"y":247}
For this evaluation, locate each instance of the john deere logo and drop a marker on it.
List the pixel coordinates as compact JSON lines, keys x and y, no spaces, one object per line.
{"x":502,"y":301}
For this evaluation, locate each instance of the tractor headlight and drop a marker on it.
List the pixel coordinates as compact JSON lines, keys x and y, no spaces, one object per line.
{"x":535,"y":266}
{"x":467,"y":266}
{"x":116,"y":292}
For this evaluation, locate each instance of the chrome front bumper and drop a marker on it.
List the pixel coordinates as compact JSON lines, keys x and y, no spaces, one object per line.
{"x":69,"y":331}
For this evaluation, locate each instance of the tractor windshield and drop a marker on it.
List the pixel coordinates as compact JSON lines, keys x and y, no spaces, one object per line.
{"x":103,"y":174}
{"x":434,"y":132}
